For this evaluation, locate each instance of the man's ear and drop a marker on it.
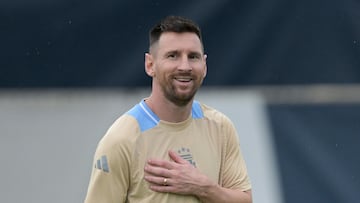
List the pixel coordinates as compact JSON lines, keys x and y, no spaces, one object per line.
{"x":149,"y":65}
{"x":205,"y":68}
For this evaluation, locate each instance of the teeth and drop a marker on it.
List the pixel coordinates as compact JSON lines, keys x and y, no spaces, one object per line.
{"x":183,"y":79}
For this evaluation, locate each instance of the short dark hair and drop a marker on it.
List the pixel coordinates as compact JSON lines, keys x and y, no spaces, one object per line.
{"x":173,"y":24}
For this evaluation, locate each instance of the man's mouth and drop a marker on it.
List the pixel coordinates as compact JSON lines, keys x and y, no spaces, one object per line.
{"x":183,"y":79}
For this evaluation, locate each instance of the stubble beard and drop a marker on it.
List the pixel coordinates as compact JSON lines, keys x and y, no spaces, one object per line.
{"x":180,"y":99}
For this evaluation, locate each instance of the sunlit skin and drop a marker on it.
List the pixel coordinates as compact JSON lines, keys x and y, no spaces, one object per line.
{"x":177,"y":64}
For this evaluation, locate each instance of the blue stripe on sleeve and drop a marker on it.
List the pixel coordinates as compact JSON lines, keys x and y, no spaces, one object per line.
{"x":197,"y":112}
{"x":144,"y":116}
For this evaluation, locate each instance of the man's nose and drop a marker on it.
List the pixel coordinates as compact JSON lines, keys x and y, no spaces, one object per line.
{"x":185,"y":64}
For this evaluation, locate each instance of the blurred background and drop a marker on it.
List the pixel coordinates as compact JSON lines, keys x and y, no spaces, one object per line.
{"x":286,"y":71}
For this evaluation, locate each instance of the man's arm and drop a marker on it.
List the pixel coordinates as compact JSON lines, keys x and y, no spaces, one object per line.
{"x":109,"y":180}
{"x":181,"y":177}
{"x":216,"y":193}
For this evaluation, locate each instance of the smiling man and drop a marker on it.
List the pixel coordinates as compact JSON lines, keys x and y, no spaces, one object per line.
{"x":169,"y":147}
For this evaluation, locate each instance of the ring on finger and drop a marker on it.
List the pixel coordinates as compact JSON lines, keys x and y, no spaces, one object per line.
{"x":165,"y":182}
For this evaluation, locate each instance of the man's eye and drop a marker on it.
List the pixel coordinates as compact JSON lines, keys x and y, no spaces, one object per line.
{"x":171,"y":56}
{"x":194,"y":56}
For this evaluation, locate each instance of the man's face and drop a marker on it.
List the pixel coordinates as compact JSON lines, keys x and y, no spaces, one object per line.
{"x":179,"y":66}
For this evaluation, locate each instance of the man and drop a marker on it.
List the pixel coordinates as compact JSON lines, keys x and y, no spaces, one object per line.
{"x":170,"y":148}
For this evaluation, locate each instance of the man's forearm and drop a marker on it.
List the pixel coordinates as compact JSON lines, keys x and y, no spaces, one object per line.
{"x":216,"y":193}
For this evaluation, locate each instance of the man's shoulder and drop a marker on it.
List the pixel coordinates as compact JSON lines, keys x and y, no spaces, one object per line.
{"x":124,"y":123}
{"x":123,"y":128}
{"x":214,"y":114}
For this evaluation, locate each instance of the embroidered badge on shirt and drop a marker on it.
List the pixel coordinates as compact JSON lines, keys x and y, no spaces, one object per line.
{"x":186,"y":154}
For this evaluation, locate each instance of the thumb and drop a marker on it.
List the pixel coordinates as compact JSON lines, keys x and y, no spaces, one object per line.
{"x":177,"y":158}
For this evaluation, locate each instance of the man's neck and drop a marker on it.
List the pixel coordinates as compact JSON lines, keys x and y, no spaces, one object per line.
{"x":167,"y":110}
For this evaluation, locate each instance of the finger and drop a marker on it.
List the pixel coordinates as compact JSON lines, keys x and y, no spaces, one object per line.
{"x":159,"y":181}
{"x":157,"y":171}
{"x":163,"y":189}
{"x":160,"y":163}
{"x":177,"y":158}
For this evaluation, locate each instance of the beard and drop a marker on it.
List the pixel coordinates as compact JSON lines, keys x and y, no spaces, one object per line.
{"x":173,"y":94}
{"x":179,"y":99}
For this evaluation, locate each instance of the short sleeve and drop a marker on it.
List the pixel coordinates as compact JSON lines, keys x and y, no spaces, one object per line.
{"x":109,"y":180}
{"x":234,"y":173}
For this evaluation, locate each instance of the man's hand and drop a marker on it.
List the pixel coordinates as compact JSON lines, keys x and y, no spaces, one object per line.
{"x":181,"y":177}
{"x":177,"y":176}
